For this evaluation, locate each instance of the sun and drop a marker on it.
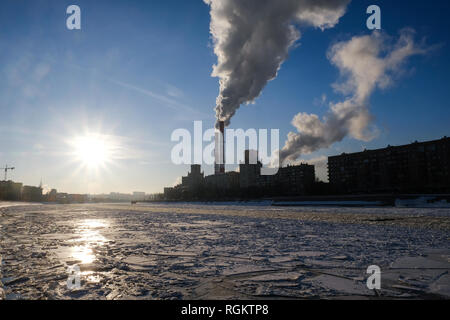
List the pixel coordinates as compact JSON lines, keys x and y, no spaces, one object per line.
{"x":92,"y":150}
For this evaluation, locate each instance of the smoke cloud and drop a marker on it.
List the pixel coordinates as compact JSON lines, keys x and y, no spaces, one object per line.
{"x":252,"y":39}
{"x":365,"y":63}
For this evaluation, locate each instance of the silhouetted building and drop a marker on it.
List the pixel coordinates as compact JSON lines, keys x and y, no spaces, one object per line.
{"x":228,"y":180}
{"x":31,"y":194}
{"x":194,"y":178}
{"x":291,"y":180}
{"x":250,"y":170}
{"x":414,"y":168}
{"x":51,"y":196}
{"x":247,"y":183}
{"x":10,"y":190}
{"x":171,"y":193}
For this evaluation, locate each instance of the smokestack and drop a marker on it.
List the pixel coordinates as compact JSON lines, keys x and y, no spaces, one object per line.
{"x":220,"y":149}
{"x":251,"y":157}
{"x":222,"y":132}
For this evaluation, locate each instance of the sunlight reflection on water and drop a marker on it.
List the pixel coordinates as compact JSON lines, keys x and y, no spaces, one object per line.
{"x":89,"y":235}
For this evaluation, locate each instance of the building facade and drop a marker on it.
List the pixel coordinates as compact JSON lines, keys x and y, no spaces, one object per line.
{"x":32,"y":194}
{"x":228,"y":180}
{"x":250,"y":170}
{"x":10,"y":190}
{"x":414,"y":168}
{"x":292,"y":180}
{"x":195,"y":178}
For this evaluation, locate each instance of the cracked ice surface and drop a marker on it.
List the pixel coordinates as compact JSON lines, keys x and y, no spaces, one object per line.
{"x":174,"y":251}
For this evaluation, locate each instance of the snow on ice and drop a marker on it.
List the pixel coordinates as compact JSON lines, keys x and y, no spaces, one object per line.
{"x":216,"y":251}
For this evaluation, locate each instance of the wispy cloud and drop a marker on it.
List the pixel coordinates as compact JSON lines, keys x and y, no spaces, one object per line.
{"x":365,"y":63}
{"x":174,"y":91}
{"x":26,"y":74}
{"x":168,"y":99}
{"x":169,"y":102}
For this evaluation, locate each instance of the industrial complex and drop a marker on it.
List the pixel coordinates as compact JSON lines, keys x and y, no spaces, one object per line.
{"x":409,"y":169}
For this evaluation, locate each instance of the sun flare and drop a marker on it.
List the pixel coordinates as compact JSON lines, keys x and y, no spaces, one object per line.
{"x":92,"y":150}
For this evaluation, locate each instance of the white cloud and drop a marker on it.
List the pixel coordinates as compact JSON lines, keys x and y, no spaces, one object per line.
{"x":365,"y":63}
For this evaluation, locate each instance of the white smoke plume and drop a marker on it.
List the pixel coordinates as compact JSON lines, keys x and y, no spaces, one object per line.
{"x":365,"y":64}
{"x":252,"y":39}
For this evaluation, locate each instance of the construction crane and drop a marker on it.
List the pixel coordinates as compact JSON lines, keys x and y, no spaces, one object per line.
{"x":6,"y":168}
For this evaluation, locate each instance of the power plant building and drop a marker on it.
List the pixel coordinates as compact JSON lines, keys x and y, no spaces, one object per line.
{"x":194,"y":178}
{"x":292,"y":180}
{"x":250,"y":170}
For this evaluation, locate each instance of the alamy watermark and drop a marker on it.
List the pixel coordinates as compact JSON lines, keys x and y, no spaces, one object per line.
{"x":211,"y":147}
{"x":374,"y":280}
{"x":374,"y":21}
{"x":73,"y":22}
{"x":73,"y":281}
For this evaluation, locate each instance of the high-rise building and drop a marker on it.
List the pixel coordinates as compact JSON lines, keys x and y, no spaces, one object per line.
{"x":413,"y":168}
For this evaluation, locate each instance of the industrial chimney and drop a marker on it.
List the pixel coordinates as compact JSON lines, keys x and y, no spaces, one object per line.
{"x":219,"y":151}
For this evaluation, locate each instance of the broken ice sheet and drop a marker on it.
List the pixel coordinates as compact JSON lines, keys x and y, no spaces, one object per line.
{"x":146,"y":254}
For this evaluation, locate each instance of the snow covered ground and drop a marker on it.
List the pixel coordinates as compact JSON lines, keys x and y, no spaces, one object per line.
{"x":198,"y":251}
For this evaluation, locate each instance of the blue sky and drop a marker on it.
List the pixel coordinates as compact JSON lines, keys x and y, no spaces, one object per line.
{"x":137,"y":70}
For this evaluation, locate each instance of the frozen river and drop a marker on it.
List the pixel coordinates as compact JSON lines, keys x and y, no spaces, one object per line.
{"x":196,"y":251}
